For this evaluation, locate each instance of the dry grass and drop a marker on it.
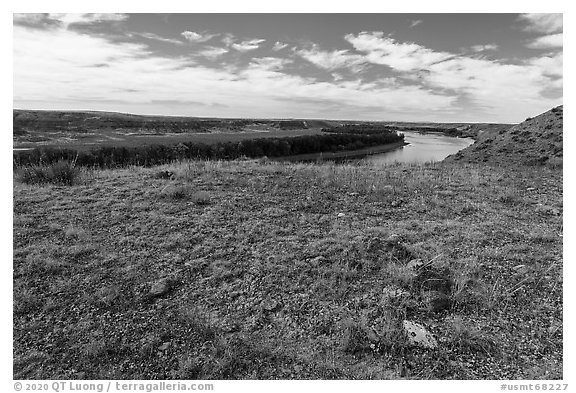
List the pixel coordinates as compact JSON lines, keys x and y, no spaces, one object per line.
{"x":289,"y":271}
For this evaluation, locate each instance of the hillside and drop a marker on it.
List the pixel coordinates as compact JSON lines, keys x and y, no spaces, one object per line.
{"x":535,"y":141}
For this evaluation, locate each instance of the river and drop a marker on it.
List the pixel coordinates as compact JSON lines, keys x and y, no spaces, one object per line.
{"x":422,"y":148}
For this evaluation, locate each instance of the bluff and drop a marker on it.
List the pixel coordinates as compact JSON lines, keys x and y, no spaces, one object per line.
{"x":535,"y":141}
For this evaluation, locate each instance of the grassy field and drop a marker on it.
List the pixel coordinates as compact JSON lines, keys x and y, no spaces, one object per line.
{"x":263,"y":270}
{"x":91,"y":140}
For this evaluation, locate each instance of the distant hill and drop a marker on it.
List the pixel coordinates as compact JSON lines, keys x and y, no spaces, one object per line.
{"x":535,"y":141}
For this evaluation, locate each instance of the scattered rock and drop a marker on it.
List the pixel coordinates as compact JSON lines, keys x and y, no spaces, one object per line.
{"x":160,"y":287}
{"x":521,"y":269}
{"x":164,"y":346}
{"x":436,"y":301}
{"x":396,"y":203}
{"x":418,"y":336}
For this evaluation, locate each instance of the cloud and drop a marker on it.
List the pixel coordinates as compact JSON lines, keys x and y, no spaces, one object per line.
{"x":248,"y":45}
{"x":35,"y":20}
{"x":415,"y":23}
{"x":551,"y":65}
{"x":192,"y":36}
{"x":332,"y":60}
{"x":55,"y":19}
{"x":279,"y":46}
{"x":542,"y":23}
{"x":399,"y":56}
{"x":156,"y":37}
{"x":68,"y":19}
{"x":547,"y":42}
{"x":228,"y":39}
{"x":488,"y":84}
{"x":484,"y":48}
{"x":213,"y":52}
{"x":72,"y":75}
{"x":64,"y":68}
{"x":270,"y":63}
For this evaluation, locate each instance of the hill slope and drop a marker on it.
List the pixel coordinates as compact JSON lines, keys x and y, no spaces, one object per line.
{"x":535,"y":141}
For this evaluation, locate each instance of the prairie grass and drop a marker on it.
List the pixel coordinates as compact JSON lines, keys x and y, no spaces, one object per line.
{"x":283,"y":271}
{"x":60,"y":173}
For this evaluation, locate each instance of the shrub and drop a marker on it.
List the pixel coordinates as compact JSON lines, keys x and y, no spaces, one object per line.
{"x":61,"y":173}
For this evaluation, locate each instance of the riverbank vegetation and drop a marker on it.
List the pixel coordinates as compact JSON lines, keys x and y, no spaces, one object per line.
{"x":119,"y":156}
{"x":264,"y":270}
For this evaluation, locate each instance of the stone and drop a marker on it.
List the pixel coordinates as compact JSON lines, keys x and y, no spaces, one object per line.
{"x":393,"y":238}
{"x":415,"y":264}
{"x":160,"y":287}
{"x":418,"y":336}
{"x":436,"y":301}
{"x":521,"y":269}
{"x":164,"y":346}
{"x":340,"y":215}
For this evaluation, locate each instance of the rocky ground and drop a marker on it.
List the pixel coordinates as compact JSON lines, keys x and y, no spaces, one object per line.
{"x":253,"y":269}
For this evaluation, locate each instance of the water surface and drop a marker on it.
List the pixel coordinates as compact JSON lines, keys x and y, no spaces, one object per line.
{"x":422,"y":148}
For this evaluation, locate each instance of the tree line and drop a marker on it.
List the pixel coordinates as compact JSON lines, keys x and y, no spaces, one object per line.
{"x":119,"y":156}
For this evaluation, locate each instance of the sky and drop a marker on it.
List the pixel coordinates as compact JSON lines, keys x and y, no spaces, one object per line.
{"x":402,"y":67}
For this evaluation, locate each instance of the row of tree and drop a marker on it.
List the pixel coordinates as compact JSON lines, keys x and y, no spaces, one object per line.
{"x":373,"y":129}
{"x":117,"y":156}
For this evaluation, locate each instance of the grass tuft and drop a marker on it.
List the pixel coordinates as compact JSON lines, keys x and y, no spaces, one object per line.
{"x":61,"y":173}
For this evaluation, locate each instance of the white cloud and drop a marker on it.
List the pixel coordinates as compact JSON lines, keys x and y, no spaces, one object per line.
{"x":488,"y":84}
{"x":551,"y":65}
{"x":71,"y":74}
{"x":68,"y":19}
{"x":484,"y":48}
{"x":60,"y":67}
{"x":192,"y":36}
{"x":415,"y":23}
{"x":213,"y":52}
{"x":156,"y":37}
{"x":542,"y":23}
{"x":399,"y":56}
{"x":248,"y":45}
{"x":332,"y":60}
{"x":547,"y":42}
{"x":279,"y":46}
